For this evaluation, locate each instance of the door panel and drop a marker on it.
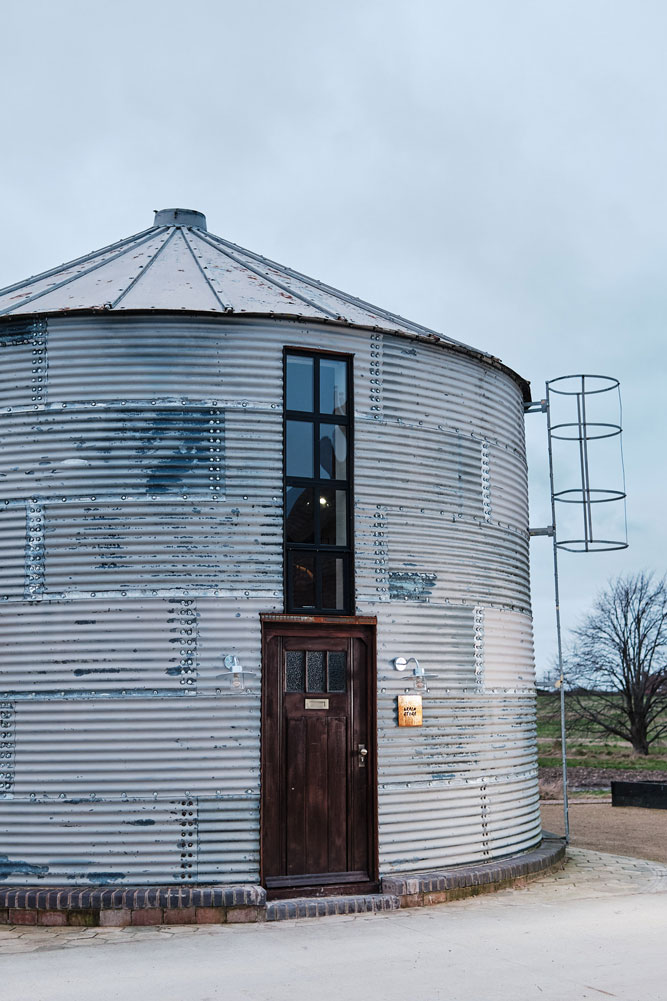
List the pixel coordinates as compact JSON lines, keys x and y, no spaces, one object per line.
{"x":318,"y":799}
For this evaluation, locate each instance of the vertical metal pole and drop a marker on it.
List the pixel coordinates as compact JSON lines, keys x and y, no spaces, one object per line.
{"x":566,"y":812}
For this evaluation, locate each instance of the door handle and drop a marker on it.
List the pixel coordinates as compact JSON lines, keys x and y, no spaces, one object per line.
{"x":363,"y":754}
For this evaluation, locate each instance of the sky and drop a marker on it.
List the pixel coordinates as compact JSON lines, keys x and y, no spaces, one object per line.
{"x":493,"y":169}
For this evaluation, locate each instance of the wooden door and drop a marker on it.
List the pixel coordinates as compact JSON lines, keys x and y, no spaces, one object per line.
{"x":318,"y":760}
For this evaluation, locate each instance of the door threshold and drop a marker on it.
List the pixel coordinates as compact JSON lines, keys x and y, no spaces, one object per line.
{"x":322,"y":890}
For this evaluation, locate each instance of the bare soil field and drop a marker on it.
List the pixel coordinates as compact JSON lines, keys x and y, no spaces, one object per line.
{"x":597,"y":778}
{"x":605,"y":828}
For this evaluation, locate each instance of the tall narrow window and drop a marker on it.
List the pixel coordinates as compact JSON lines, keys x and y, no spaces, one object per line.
{"x":318,"y":483}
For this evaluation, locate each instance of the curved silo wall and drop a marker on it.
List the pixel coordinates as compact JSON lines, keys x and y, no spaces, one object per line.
{"x":141,"y":537}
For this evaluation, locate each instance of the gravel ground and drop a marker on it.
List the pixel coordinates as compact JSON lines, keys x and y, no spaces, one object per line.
{"x":620,"y":830}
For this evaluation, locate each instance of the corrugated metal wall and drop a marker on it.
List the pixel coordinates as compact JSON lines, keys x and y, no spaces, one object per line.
{"x":140,"y":538}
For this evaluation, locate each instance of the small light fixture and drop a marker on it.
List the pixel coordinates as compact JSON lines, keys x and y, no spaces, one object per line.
{"x":233,"y":664}
{"x":400,"y":663}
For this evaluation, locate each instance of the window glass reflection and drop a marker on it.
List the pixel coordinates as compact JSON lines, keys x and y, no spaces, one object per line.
{"x":303,"y":580}
{"x":333,"y":520}
{"x":333,"y":386}
{"x":299,"y":515}
{"x":299,"y":448}
{"x":299,"y":389}
{"x":333,"y":452}
{"x":333,"y":591}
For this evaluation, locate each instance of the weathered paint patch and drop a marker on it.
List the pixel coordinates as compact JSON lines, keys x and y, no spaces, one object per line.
{"x":80,"y":671}
{"x":104,"y":877}
{"x":411,"y":586}
{"x":140,"y":823}
{"x":13,"y":867}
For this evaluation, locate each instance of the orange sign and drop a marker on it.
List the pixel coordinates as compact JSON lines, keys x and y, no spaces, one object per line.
{"x":409,"y":710}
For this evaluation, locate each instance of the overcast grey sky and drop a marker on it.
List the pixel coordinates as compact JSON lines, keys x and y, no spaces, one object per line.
{"x":493,"y":169}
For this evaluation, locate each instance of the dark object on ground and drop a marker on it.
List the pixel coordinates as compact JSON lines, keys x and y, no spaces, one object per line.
{"x":650,"y":795}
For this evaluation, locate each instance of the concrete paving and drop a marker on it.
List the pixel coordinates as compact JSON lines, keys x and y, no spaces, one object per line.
{"x":597,"y":929}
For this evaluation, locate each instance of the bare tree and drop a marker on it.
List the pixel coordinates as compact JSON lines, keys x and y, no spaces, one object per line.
{"x":617,"y":668}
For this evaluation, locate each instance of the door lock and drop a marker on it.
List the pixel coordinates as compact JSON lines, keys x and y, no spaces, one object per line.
{"x":363,"y":754}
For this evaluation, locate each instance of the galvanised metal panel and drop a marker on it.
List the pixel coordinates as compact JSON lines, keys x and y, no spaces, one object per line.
{"x":144,"y":358}
{"x":13,"y":543}
{"x":466,"y":781}
{"x":52,"y":842}
{"x":426,"y":387}
{"x":83,"y":648}
{"x":231,"y":626}
{"x":88,"y":451}
{"x":508,"y":488}
{"x":228,"y":840}
{"x":119,"y":546}
{"x":137,"y":746}
{"x":439,"y":636}
{"x":156,"y":588}
{"x":507,"y":644}
{"x":22,"y":363}
{"x":118,"y":841}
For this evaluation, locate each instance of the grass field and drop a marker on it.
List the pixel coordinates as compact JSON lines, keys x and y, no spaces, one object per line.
{"x":591,"y":749}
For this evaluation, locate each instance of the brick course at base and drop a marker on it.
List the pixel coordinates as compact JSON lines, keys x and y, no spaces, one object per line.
{"x":156,"y":905}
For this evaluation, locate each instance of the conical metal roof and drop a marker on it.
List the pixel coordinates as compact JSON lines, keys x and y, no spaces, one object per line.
{"x":178,"y":265}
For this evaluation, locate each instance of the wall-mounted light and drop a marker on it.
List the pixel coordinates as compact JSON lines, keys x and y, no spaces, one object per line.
{"x":401,"y":663}
{"x":233,"y":664}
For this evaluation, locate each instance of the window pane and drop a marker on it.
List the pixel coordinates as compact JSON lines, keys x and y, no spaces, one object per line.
{"x":333,"y":520}
{"x":333,"y":452}
{"x":299,"y":515}
{"x":333,"y":386}
{"x":316,"y":671}
{"x":299,"y":448}
{"x":299,"y":389}
{"x":295,"y":671}
{"x":303,"y":580}
{"x":333,"y":593}
{"x":337,"y":666}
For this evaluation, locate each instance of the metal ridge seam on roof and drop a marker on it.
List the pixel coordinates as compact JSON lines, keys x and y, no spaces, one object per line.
{"x":272,"y":281}
{"x":80,"y":260}
{"x":142,"y":271}
{"x":227,"y":307}
{"x":351,"y":299}
{"x":79,"y":274}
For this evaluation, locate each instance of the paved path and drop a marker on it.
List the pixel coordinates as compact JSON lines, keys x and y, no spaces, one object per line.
{"x":595,"y":930}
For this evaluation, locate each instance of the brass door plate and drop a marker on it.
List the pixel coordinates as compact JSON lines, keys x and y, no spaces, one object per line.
{"x":409,"y":710}
{"x":316,"y":704}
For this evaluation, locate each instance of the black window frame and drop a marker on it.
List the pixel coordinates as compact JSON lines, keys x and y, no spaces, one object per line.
{"x":315,"y":418}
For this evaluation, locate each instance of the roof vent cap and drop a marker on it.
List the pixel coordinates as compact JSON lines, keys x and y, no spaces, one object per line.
{"x":180,"y":217}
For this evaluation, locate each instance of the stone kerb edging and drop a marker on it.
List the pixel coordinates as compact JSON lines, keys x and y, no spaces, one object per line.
{"x":427,"y":888}
{"x":154,"y":905}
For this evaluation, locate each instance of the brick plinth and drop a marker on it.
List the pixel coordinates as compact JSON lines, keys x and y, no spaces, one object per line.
{"x":179,"y":905}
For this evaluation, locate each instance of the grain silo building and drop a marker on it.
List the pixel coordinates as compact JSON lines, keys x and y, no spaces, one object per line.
{"x":241,"y":513}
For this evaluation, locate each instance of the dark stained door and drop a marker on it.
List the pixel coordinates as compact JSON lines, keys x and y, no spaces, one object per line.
{"x":318,"y":772}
